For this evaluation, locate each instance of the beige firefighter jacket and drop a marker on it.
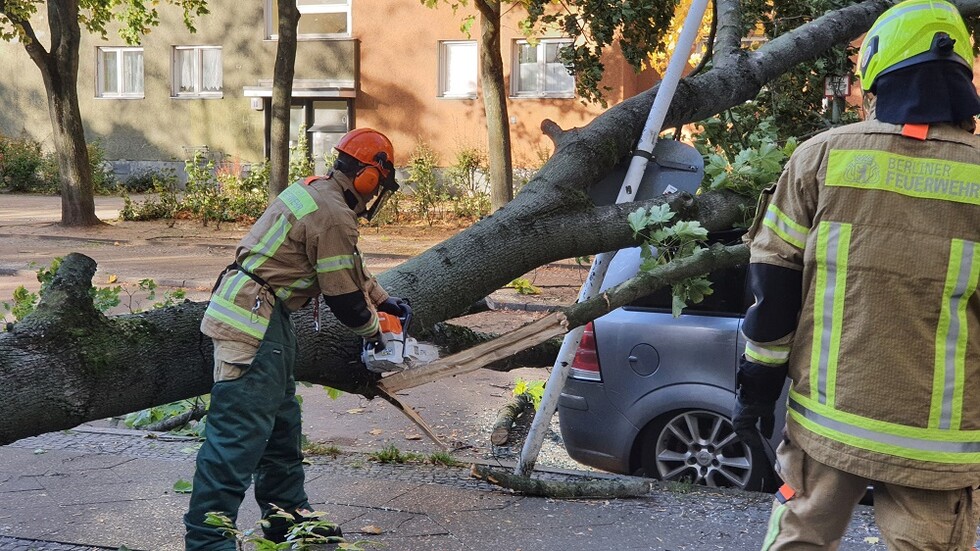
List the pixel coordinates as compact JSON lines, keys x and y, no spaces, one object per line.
{"x":303,"y":245}
{"x":885,"y":359}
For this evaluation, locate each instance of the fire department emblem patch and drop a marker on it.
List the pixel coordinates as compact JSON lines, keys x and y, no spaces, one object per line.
{"x":862,"y":170}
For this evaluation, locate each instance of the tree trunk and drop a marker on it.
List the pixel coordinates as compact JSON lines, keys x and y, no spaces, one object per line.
{"x":282,"y":92}
{"x":66,"y":363}
{"x":59,"y":69}
{"x":495,"y":105}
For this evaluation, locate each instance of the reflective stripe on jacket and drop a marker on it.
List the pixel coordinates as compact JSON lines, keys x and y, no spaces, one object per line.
{"x":885,"y":359}
{"x":304,"y":244}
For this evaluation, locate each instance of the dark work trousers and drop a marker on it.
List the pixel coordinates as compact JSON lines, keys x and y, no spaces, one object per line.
{"x":253,"y":428}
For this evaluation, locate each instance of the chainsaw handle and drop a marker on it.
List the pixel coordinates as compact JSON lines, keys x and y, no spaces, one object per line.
{"x":406,"y":322}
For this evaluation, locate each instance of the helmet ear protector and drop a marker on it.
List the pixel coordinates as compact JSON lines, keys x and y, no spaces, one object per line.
{"x":370,"y":175}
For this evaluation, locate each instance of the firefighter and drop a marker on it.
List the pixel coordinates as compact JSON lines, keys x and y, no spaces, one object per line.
{"x":302,"y":247}
{"x":864,"y":267}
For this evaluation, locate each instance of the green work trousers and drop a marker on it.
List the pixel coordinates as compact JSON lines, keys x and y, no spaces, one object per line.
{"x":253,"y":429}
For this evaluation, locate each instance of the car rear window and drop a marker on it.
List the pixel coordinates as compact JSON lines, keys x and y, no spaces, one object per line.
{"x":730,"y":296}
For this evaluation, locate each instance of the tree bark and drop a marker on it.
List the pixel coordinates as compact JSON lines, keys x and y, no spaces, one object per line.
{"x":67,"y":364}
{"x":495,"y":105}
{"x":59,"y":71}
{"x":282,"y":92}
{"x":595,"y":488}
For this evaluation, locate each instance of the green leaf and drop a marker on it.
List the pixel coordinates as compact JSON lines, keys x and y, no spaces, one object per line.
{"x":183,"y":487}
{"x":638,"y":220}
{"x":677,"y":305}
{"x":689,"y":230}
{"x":661,"y":214}
{"x":333,"y":393}
{"x":466,"y":27}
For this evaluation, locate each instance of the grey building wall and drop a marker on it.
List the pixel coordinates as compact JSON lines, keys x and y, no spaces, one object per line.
{"x":159,"y":127}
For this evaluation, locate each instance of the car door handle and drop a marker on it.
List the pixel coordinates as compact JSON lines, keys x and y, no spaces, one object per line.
{"x":633,"y":359}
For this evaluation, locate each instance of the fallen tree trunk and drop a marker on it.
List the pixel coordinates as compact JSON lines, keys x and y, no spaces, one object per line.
{"x":67,"y":363}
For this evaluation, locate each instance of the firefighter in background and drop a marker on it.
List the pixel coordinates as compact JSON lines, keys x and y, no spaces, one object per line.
{"x":864,"y":266}
{"x":303,"y":246}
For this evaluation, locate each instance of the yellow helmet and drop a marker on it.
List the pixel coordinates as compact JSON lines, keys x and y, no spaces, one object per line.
{"x":913,"y":32}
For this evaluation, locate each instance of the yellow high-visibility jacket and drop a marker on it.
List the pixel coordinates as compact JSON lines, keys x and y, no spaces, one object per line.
{"x":304,"y":244}
{"x":885,"y":358}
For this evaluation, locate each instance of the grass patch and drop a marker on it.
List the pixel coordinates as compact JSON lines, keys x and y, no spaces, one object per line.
{"x":391,"y":454}
{"x":321,"y":449}
{"x":444,"y":458}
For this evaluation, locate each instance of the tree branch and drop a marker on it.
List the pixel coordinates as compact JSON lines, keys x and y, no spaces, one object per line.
{"x":716,"y":257}
{"x":33,"y":47}
{"x":728,"y":36}
{"x":594,"y":488}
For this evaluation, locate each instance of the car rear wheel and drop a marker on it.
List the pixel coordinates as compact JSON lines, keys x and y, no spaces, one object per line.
{"x":701,"y":447}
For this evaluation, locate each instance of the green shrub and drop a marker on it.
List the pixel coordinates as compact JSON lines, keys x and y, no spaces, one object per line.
{"x":300,"y":165}
{"x":165,"y":206}
{"x":468,"y":200}
{"x":149,"y":180}
{"x":247,"y":189}
{"x":475,"y":205}
{"x":202,"y":194}
{"x":464,"y":174}
{"x":230,"y":191}
{"x":422,"y":176}
{"x":103,"y":178}
{"x":25,"y":167}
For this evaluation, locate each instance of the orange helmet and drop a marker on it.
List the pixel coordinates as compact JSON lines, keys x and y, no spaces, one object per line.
{"x":373,"y":150}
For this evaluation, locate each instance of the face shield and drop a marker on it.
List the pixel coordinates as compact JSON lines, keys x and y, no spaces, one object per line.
{"x":386,"y":189}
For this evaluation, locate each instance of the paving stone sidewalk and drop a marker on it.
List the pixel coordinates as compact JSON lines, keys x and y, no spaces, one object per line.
{"x":80,"y":490}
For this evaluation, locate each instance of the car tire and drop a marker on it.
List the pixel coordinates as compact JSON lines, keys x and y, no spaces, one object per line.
{"x":700,"y":447}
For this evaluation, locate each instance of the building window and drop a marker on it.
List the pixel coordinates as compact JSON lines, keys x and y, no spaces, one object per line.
{"x":120,"y":73}
{"x":537,"y":71}
{"x":317,"y":18}
{"x":457,"y":69}
{"x":197,"y":71}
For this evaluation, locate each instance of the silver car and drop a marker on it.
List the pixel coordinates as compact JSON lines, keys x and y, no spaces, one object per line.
{"x":650,"y":394}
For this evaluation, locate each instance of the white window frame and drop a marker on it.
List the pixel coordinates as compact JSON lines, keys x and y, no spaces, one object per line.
{"x":539,"y":92}
{"x":120,"y":76}
{"x":444,"y":92}
{"x":198,"y":86}
{"x":272,"y":30}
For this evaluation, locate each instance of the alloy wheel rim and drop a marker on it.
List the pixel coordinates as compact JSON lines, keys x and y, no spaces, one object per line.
{"x":701,"y":447}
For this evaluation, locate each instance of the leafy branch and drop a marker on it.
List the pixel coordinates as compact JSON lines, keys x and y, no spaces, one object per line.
{"x":664,"y":243}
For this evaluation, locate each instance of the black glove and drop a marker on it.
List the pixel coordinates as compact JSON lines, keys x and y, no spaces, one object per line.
{"x":375,"y":342}
{"x":396,"y":306}
{"x":759,"y":386}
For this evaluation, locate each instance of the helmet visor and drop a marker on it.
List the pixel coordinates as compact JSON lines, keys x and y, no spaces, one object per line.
{"x":387,"y":188}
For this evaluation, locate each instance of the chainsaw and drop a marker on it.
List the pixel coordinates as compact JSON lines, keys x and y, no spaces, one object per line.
{"x":399,"y":351}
